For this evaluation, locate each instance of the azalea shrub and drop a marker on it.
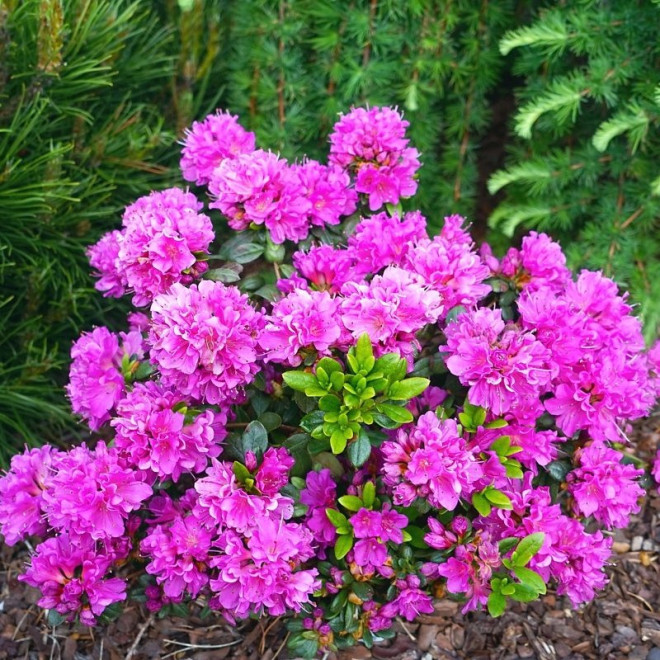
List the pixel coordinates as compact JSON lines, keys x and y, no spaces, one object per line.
{"x":329,"y":415}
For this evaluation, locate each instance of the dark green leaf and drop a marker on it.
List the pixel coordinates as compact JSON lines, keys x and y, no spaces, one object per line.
{"x":360,"y":449}
{"x":255,"y":438}
{"x":247,"y":252}
{"x":270,"y":420}
{"x":224,"y":275}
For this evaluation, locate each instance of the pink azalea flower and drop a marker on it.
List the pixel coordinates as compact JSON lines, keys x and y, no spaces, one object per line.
{"x":210,"y":142}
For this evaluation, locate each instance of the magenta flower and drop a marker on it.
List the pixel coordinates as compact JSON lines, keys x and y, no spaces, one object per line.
{"x":73,"y":579}
{"x":151,"y":435}
{"x":430,"y":460}
{"x":390,"y":309}
{"x":164,"y":234}
{"x":326,"y":268}
{"x":603,"y":487}
{"x":372,"y":145}
{"x":204,"y":340}
{"x":21,"y":493}
{"x":303,"y":321}
{"x":103,"y":256}
{"x":328,"y":190}
{"x":264,"y":575}
{"x":210,"y":142}
{"x":410,"y":601}
{"x":222,"y":498}
{"x":320,"y":494}
{"x":261,"y":188}
{"x":501,"y":365}
{"x":96,"y":383}
{"x":92,"y":495}
{"x":179,"y":553}
{"x":382,"y":240}
{"x":452,"y":268}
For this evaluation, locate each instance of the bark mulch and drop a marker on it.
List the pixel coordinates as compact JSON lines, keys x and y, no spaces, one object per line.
{"x":622,"y":623}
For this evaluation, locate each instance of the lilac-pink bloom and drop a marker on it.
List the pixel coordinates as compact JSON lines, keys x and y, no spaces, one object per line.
{"x":500,"y":364}
{"x":211,"y":141}
{"x":96,"y":383}
{"x":73,"y":579}
{"x":604,"y":487}
{"x":103,"y":257}
{"x":383,"y":240}
{"x":164,"y":234}
{"x":301,"y":321}
{"x":21,"y":490}
{"x":91,"y":494}
{"x":204,"y":340}
{"x":273,"y":473}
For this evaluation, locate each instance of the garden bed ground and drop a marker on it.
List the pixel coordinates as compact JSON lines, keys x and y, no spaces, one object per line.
{"x":624,"y":622}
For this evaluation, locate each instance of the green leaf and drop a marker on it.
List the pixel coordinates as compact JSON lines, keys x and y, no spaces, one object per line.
{"x":480,"y":503}
{"x":255,"y":438}
{"x":362,"y":590}
{"x":364,"y":352}
{"x":506,"y":544}
{"x":407,"y":389}
{"x":498,"y":498}
{"x":496,"y":604}
{"x":396,"y":413}
{"x":524,"y":593}
{"x":270,"y":420}
{"x":343,"y":545}
{"x":327,"y":460}
{"x":501,"y":445}
{"x":312,"y":420}
{"x":530,"y":579}
{"x":417,"y":535}
{"x":338,"y":441}
{"x":527,"y":548}
{"x":388,"y":364}
{"x":337,"y":518}
{"x":224,"y":275}
{"x":330,"y":403}
{"x":558,"y":469}
{"x":360,"y":449}
{"x":240,"y":471}
{"x":244,"y":254}
{"x":497,"y":424}
{"x":351,"y":502}
{"x":300,"y":380}
{"x":369,"y":494}
{"x":329,"y":365}
{"x":298,"y":446}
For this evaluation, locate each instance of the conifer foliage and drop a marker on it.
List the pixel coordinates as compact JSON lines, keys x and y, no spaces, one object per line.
{"x":81,"y":134}
{"x":583,"y":164}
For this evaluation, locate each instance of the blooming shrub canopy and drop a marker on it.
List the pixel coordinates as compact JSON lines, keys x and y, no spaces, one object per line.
{"x":368,"y":414}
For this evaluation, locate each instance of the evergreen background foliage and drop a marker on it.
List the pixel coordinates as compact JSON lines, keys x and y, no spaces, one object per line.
{"x":583,"y":163}
{"x":94,"y":95}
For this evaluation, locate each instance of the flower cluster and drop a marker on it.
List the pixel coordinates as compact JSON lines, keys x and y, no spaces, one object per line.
{"x":163,"y":238}
{"x":336,"y":416}
{"x":373,"y":145}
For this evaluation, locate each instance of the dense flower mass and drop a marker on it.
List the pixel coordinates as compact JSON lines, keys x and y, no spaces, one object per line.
{"x":208,"y":143}
{"x":372,"y":145}
{"x":204,"y":340}
{"x":336,"y":415}
{"x":163,"y":237}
